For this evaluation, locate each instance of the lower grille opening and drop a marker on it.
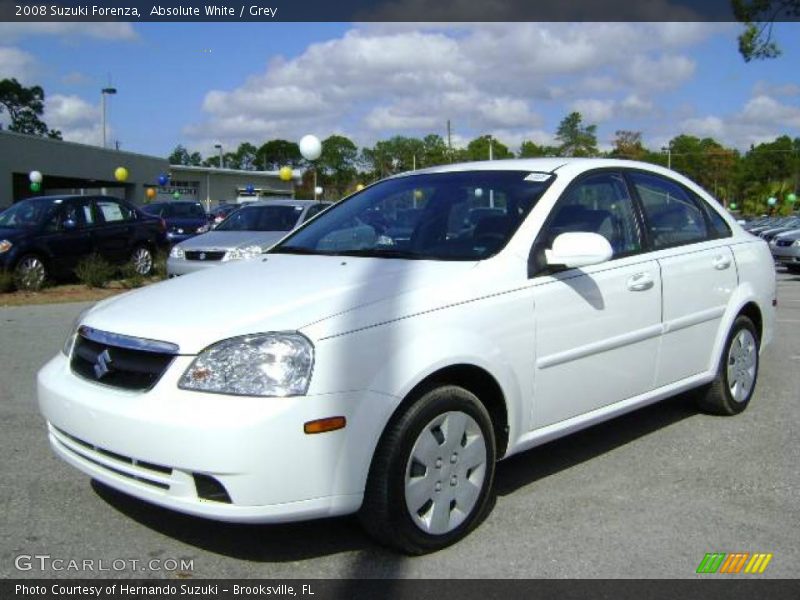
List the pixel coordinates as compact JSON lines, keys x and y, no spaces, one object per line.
{"x":209,"y":488}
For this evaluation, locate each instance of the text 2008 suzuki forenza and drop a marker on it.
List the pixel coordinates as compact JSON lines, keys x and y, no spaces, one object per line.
{"x":382,"y":358}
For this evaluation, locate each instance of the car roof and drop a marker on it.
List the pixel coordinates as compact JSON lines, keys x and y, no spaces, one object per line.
{"x":72,"y":197}
{"x":289,"y":202}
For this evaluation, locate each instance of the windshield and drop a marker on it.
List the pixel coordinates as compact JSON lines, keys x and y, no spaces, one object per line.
{"x":29,"y":213}
{"x":438,"y":216}
{"x":262,"y":218}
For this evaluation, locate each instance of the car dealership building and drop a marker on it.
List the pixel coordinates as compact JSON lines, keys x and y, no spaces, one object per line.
{"x":71,"y":168}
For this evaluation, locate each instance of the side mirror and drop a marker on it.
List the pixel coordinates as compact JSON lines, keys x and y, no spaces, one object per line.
{"x":69,"y":224}
{"x":578,"y":249}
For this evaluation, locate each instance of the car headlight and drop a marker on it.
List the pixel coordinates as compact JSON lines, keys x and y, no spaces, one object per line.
{"x":796,"y":243}
{"x":263,"y":364}
{"x":69,"y":343}
{"x":5,"y":246}
{"x":202,"y":228}
{"x":242,"y":253}
{"x":177,"y":252}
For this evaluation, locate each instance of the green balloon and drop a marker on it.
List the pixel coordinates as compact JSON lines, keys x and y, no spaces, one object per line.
{"x":733,"y":205}
{"x":36,"y":186}
{"x":176,"y":195}
{"x":792,"y":198}
{"x":772,"y":201}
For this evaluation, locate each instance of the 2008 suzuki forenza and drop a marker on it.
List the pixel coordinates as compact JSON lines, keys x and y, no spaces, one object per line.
{"x":384,"y":356}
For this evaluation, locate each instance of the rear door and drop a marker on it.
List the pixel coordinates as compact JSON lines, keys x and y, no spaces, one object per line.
{"x":115,"y":232}
{"x":697,"y":270}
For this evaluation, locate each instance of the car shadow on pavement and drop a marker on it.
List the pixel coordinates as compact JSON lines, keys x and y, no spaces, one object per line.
{"x":540,"y":462}
{"x":260,"y":543}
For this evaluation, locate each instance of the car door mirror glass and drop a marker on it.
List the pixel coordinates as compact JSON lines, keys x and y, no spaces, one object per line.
{"x":578,"y":249}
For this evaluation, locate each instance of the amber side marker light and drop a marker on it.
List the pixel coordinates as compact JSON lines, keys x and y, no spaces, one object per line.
{"x":323,"y":425}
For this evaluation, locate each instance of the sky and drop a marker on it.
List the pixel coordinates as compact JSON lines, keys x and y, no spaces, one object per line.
{"x":200,"y":84}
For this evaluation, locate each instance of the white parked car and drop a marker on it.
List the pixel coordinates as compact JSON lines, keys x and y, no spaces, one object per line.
{"x":348,"y":370}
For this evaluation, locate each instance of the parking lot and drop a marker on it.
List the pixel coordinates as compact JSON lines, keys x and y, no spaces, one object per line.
{"x":646,"y":495}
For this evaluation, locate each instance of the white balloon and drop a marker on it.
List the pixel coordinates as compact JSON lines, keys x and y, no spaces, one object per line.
{"x":318,"y":190}
{"x":310,"y":147}
{"x":35,"y":177}
{"x":478,"y":192}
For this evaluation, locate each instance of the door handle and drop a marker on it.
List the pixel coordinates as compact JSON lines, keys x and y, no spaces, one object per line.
{"x":640,"y":282}
{"x":721,"y":262}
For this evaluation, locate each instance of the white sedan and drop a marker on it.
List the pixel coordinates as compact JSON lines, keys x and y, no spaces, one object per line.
{"x":353,"y":370}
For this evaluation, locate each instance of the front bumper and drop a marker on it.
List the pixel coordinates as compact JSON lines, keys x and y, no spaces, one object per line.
{"x":181,"y":266}
{"x":152,"y":445}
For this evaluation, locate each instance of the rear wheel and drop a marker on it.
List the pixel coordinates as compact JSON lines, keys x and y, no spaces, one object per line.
{"x":431,"y":477}
{"x":142,"y":260}
{"x":30,"y":272}
{"x":730,"y":392}
{"x":793,"y":268}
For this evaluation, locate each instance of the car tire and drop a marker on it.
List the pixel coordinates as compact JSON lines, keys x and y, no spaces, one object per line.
{"x":431,"y":478}
{"x":793,"y":269}
{"x":30,"y":272}
{"x":730,"y":392}
{"x":142,"y":260}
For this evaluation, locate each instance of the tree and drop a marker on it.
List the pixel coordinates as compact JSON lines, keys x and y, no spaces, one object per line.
{"x":245,"y":157}
{"x":181,"y":156}
{"x":337,"y":163}
{"x":400,"y":153}
{"x":758,"y":17}
{"x":24,"y":107}
{"x":275,"y":154}
{"x":530,"y":149}
{"x":576,"y":139}
{"x":628,"y":144}
{"x":478,"y":149}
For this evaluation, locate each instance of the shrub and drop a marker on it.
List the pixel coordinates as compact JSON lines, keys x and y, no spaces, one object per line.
{"x":94,"y":271}
{"x":6,"y":281}
{"x":160,"y":265}
{"x":130,"y":277}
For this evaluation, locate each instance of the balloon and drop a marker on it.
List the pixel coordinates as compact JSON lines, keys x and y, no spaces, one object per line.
{"x":733,"y":205}
{"x":36,"y":186}
{"x":417,"y":194}
{"x":250,"y":189}
{"x":176,"y":195}
{"x":35,"y":177}
{"x":359,"y":187}
{"x":772,"y":201}
{"x":478,"y":192}
{"x":162,"y":180}
{"x":310,"y":147}
{"x":121,"y":174}
{"x":791,"y":198}
{"x":285,"y":173}
{"x":150,"y":193}
{"x":318,"y":190}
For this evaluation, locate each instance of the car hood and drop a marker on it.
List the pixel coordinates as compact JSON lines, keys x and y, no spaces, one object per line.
{"x":226,"y":240}
{"x":793,"y":235}
{"x":278,"y":292}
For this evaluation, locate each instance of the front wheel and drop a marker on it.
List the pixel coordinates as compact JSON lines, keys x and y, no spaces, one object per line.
{"x":730,"y":392}
{"x":431,"y":478}
{"x":142,"y":260}
{"x":30,"y":273}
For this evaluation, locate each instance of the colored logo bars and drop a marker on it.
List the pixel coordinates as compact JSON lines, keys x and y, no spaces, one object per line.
{"x":720,"y":562}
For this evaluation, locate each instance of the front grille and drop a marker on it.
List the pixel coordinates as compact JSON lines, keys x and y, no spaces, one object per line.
{"x":120,"y":361}
{"x":784,"y":243}
{"x":205,"y":255}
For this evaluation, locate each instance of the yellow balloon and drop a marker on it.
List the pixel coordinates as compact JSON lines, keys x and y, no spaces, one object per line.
{"x":417,"y":194}
{"x":121,"y":174}
{"x":359,"y":187}
{"x":285,"y":173}
{"x":151,"y":193}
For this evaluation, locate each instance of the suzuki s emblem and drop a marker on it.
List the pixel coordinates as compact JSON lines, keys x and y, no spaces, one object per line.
{"x":202,"y":256}
{"x":101,"y":367}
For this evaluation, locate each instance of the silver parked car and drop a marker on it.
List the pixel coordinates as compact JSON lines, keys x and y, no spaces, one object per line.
{"x":244,"y":234}
{"x":785,"y":249}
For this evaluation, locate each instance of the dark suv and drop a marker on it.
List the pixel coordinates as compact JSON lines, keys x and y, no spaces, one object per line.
{"x":184,"y":219}
{"x":47,"y":236}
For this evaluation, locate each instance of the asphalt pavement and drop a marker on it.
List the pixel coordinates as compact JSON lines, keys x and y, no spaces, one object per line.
{"x":644,"y":496}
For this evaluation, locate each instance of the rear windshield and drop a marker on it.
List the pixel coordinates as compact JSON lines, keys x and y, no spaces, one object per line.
{"x":29,"y":213}
{"x":262,"y":218}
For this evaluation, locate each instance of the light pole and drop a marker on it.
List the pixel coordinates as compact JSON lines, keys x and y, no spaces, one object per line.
{"x":109,"y":91}
{"x":311,"y":150}
{"x":221,"y":158}
{"x":668,"y":150}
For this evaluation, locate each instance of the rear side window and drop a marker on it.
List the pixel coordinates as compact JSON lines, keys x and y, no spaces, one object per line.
{"x":719,"y":227}
{"x":673,"y":216}
{"x":114,"y":212}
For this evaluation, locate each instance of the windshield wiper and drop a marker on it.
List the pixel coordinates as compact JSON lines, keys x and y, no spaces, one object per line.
{"x":383,"y":253}
{"x":295,"y":250}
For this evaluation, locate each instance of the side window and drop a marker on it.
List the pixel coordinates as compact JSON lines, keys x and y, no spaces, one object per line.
{"x":719,"y":227}
{"x":114,"y":212}
{"x":313,"y":211}
{"x":673,"y":216}
{"x":597,"y":204}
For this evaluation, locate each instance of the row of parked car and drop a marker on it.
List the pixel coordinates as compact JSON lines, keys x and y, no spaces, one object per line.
{"x":46,"y":237}
{"x":783,"y":236}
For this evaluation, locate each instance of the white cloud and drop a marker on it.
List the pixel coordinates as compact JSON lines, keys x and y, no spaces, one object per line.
{"x":16,"y":63}
{"x":102,"y":31}
{"x":75,"y":78}
{"x":665,"y":72}
{"x":593,"y":110}
{"x":77,"y":120}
